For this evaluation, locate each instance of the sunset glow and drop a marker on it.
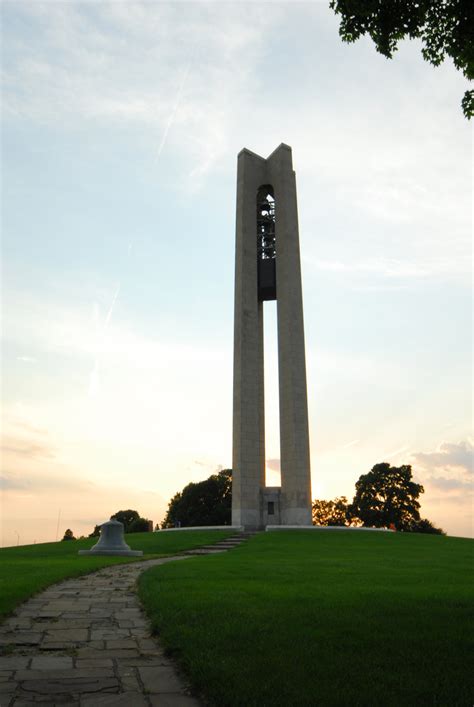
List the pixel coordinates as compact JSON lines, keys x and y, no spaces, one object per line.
{"x":122,"y":122}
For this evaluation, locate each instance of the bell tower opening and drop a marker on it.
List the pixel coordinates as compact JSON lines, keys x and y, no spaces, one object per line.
{"x":266,"y":244}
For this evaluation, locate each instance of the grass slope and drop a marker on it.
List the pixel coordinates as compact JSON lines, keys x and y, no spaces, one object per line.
{"x":27,"y":569}
{"x":326,"y":618}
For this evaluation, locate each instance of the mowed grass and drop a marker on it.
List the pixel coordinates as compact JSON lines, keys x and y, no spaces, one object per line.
{"x":322,"y":618}
{"x":27,"y":569}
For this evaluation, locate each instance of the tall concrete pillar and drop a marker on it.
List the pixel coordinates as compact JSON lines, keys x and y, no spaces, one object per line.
{"x":267,"y":266}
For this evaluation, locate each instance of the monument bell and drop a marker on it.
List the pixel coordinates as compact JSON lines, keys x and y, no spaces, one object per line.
{"x":267,"y":267}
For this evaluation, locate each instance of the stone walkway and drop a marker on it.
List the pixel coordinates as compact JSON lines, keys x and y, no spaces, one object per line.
{"x":87,"y":642}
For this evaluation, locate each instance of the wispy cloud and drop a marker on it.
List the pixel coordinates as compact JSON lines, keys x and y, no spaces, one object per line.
{"x":31,"y":482}
{"x":448,"y":456}
{"x":70,"y":66}
{"x":395,"y":452}
{"x":12,"y":482}
{"x":445,"y":484}
{"x":448,"y":469}
{"x":25,"y":448}
{"x":390,"y":268}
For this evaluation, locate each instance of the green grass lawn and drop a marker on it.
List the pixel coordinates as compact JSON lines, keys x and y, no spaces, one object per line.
{"x":322,"y":618}
{"x":27,"y":569}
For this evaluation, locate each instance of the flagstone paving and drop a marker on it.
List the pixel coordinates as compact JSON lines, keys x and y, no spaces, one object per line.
{"x":86,"y":642}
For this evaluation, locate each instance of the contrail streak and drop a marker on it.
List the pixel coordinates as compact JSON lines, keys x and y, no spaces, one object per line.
{"x":397,"y":451}
{"x":171,"y":118}
{"x":109,"y":314}
{"x":350,"y":444}
{"x":95,"y":373}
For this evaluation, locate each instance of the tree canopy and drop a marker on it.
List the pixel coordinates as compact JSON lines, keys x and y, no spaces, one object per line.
{"x":68,"y":535}
{"x":424,"y":526}
{"x":204,"y":503}
{"x":387,"y":496}
{"x":445,"y":27}
{"x":132,"y":522}
{"x":126,"y":517}
{"x":331,"y":512}
{"x":140,"y":525}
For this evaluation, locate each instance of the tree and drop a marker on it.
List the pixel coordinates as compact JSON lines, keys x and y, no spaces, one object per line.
{"x":132,"y":523}
{"x":387,"y":495}
{"x":68,"y":535}
{"x":141,"y":525}
{"x":331,"y":512}
{"x":445,"y":27}
{"x":126,"y":517}
{"x":424,"y":526}
{"x":205,"y":503}
{"x":96,"y":532}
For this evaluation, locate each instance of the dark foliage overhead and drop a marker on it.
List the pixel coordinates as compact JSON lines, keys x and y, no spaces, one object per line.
{"x":445,"y":27}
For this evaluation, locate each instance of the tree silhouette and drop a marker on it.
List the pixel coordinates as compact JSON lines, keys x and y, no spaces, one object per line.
{"x":68,"y":535}
{"x":445,"y":27}
{"x":205,"y":503}
{"x":424,"y":526}
{"x":95,"y":533}
{"x":132,"y":521}
{"x":387,"y":495}
{"x":141,"y":525}
{"x":331,"y":512}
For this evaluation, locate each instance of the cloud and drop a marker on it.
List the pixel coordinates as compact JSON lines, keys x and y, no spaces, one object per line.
{"x":20,"y":447}
{"x":448,"y":469}
{"x":273,"y":464}
{"x":143,"y":64}
{"x":386,"y":267}
{"x":10,"y":482}
{"x":40,"y":482}
{"x":448,"y":455}
{"x":445,"y":484}
{"x":25,"y":426}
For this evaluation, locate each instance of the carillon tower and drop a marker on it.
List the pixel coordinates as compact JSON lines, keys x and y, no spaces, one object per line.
{"x":267,"y":267}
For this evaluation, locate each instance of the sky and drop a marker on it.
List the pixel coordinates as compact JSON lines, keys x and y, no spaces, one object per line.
{"x":121,"y":125}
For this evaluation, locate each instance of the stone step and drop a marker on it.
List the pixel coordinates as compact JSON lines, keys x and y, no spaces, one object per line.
{"x":217,"y":547}
{"x":201,"y":551}
{"x":223,"y":545}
